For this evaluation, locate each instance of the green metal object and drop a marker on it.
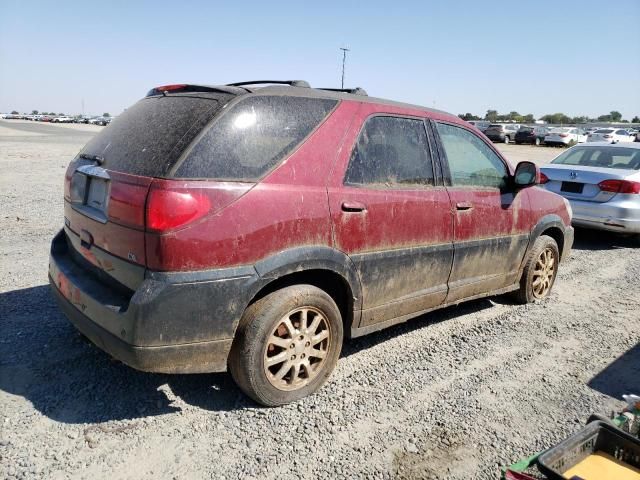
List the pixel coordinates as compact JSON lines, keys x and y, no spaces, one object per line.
{"x":522,"y":465}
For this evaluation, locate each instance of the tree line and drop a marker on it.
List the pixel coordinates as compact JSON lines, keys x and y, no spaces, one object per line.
{"x":555,"y":118}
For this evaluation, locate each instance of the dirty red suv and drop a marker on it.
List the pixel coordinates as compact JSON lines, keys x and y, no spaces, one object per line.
{"x":253,"y":227}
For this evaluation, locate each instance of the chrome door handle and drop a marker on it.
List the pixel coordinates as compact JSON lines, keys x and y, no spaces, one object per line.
{"x":464,"y":206}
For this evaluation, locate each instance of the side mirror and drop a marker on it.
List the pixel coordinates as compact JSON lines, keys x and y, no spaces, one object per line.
{"x":527,"y":174}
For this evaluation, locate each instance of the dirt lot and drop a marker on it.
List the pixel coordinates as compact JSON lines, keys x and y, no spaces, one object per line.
{"x":455,"y":394}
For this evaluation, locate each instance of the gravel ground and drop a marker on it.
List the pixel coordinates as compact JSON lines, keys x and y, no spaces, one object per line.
{"x":451,"y":395}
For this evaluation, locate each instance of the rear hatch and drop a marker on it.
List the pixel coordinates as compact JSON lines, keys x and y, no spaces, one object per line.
{"x":524,"y":133}
{"x":494,"y":130}
{"x":106,"y":185}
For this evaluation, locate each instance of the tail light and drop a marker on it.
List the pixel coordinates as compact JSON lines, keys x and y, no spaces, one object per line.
{"x":563,"y":135}
{"x":543,"y":178}
{"x":170,"y":209}
{"x":174,"y":204}
{"x":620,"y":186}
{"x":608,"y":136}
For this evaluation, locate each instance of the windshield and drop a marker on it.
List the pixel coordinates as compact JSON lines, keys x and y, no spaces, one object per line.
{"x":603,"y":131}
{"x":605,"y":156}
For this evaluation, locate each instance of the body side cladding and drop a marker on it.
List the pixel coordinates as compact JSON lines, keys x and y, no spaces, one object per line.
{"x":359,"y":332}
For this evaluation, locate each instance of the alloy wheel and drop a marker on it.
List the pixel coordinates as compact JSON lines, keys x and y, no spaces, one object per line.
{"x":544,"y":273}
{"x":296,"y":350}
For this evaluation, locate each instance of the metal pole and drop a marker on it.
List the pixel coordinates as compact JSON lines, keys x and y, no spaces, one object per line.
{"x":344,"y":59}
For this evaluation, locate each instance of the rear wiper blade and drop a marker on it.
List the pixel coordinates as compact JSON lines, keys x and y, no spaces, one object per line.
{"x":95,"y":158}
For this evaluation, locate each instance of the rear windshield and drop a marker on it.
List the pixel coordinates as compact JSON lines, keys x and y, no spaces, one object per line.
{"x":495,"y":126}
{"x":252,"y":137}
{"x":148,"y":138}
{"x":605,"y":156}
{"x":525,"y":129}
{"x":603,"y":131}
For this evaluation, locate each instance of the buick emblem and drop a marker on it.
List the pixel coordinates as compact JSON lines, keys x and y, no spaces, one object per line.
{"x":573,"y":174}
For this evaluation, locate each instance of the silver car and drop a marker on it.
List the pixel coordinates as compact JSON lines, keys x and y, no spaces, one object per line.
{"x":601,"y":182}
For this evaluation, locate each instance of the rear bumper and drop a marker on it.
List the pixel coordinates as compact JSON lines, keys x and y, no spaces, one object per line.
{"x":172,"y":322}
{"x":187,"y":358}
{"x":496,"y":138}
{"x":617,"y":215}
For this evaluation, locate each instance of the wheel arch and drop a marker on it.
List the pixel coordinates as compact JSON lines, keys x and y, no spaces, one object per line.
{"x":323,"y":267}
{"x":551,"y":225}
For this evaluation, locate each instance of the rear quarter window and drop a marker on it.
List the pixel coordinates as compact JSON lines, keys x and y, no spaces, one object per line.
{"x":247,"y":141}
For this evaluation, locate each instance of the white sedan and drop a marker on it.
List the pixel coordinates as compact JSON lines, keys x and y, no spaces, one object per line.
{"x":62,"y":119}
{"x":565,"y":136}
{"x":610,"y":135}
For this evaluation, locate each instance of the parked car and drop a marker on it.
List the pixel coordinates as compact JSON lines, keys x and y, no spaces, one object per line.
{"x":46,"y":118}
{"x":100,"y":121}
{"x":62,"y":119}
{"x":610,"y":135}
{"x":565,"y":136}
{"x":498,"y":132}
{"x":205,"y":228}
{"x":481,"y":125}
{"x":534,"y":135}
{"x":81,"y":120}
{"x":602,"y":183}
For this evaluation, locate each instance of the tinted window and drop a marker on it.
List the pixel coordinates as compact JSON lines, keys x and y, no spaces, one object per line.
{"x":253,"y":136}
{"x":611,"y":157}
{"x":149,"y":137}
{"x":391,"y":151}
{"x":471,"y":161}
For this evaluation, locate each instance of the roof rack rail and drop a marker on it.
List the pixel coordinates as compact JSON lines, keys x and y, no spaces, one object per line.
{"x":293,"y":83}
{"x":354,"y":91}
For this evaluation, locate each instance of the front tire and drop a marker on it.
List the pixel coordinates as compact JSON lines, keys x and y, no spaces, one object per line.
{"x":287,"y":345}
{"x":540,"y":271}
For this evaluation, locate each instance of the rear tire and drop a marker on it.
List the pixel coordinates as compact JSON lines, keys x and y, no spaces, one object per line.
{"x":287,"y":344}
{"x":540,"y":271}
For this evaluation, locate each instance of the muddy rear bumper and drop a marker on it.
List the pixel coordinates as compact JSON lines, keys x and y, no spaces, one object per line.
{"x":181,"y":322}
{"x":186,"y":358}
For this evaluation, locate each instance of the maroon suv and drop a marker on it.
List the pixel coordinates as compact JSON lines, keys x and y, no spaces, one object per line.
{"x":254,"y":226}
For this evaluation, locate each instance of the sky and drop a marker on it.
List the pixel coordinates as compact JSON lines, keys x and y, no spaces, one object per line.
{"x":576,"y":57}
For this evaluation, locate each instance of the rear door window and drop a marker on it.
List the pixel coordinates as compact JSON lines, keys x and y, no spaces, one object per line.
{"x":251,"y":138}
{"x":391,"y":152}
{"x":471,"y":161}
